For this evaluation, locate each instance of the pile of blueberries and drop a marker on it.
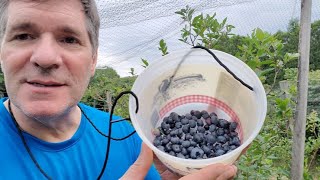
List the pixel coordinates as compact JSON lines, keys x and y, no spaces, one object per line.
{"x":196,"y":135}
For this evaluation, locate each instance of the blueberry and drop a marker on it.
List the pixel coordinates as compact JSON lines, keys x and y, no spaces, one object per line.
{"x":227,"y":137}
{"x":198,"y":138}
{"x":193,"y":131}
{"x":235,"y":141}
{"x":204,"y":112}
{"x":189,"y":116}
{"x":220,"y":132}
{"x":172,"y":125}
{"x":200,"y":122}
{"x":217,"y":146}
{"x":213,"y":114}
{"x":178,"y":125}
{"x":188,"y":136}
{"x":164,"y":141}
{"x":186,"y":144}
{"x":214,"y":119}
{"x":212,"y":128}
{"x":194,"y":118}
{"x":211,"y":139}
{"x":156,"y":142}
{"x":234,"y":134}
{"x":233,"y":126}
{"x":173,"y":114}
{"x":192,"y":112}
{"x":221,"y":139}
{"x":166,"y":131}
{"x":226,"y":148}
{"x":201,"y":129}
{"x":184,"y":121}
{"x":233,"y":147}
{"x":172,"y":153}
{"x":165,"y":119}
{"x":168,"y":147}
{"x":186,"y":128}
{"x":174,"y":132}
{"x":193,"y":143}
{"x":176,"y":148}
{"x":223,"y":123}
{"x":220,"y":152}
{"x":189,"y":149}
{"x":165,"y":126}
{"x":180,"y":155}
{"x":184,"y":151}
{"x":206,"y":127}
{"x":180,"y":132}
{"x":192,"y":123}
{"x":196,"y":152}
{"x":208,"y":121}
{"x":205,"y":116}
{"x":206,"y":149}
{"x":174,"y":140}
{"x":170,"y":120}
{"x":161,"y":148}
{"x":197,"y":114}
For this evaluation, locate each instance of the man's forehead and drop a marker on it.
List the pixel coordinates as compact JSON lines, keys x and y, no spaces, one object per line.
{"x":63,"y":5}
{"x":29,"y":18}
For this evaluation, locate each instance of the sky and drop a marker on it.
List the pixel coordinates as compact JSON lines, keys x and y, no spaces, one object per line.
{"x":132,"y":29}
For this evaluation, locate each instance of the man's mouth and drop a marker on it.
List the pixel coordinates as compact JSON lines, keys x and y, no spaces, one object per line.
{"x":45,"y":84}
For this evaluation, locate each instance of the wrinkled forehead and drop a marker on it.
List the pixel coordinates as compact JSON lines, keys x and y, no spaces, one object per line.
{"x":46,"y":13}
{"x":50,"y":5}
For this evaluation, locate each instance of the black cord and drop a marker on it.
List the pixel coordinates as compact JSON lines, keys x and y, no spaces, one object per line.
{"x":224,"y":66}
{"x":110,"y":127}
{"x":109,"y":136}
{"x":25,"y":143}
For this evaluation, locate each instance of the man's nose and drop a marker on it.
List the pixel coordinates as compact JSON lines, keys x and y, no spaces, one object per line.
{"x":46,"y":54}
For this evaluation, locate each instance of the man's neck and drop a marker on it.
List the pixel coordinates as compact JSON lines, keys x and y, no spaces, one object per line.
{"x":56,"y":130}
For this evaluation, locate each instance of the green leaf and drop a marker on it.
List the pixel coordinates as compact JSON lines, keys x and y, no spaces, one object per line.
{"x":260,"y":34}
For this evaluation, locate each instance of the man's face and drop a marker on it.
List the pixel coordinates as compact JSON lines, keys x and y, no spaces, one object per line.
{"x":46,"y":56}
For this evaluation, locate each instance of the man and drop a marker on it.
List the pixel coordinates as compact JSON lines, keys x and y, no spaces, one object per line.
{"x":48,"y":53}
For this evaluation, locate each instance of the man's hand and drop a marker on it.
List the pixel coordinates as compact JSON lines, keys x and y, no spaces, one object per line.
{"x":142,"y":165}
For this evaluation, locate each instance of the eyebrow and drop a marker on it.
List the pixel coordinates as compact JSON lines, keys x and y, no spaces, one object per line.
{"x":32,"y":26}
{"x":22,"y":26}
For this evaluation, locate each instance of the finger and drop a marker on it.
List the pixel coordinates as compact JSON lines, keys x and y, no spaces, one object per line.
{"x":229,"y":173}
{"x":159,"y":165}
{"x":141,"y":166}
{"x":212,"y":172}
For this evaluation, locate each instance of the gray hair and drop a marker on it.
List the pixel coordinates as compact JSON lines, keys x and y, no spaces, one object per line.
{"x":90,"y":10}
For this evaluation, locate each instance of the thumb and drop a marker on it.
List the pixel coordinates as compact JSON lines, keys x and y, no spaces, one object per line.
{"x":141,"y":166}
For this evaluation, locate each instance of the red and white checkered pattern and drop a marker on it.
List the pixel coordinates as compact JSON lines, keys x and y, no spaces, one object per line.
{"x":202,"y":99}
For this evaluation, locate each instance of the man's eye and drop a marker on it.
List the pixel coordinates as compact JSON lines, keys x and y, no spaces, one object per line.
{"x":70,"y":40}
{"x":23,"y":37}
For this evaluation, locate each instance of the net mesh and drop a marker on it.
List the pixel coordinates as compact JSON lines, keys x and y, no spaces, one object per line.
{"x":131,"y":30}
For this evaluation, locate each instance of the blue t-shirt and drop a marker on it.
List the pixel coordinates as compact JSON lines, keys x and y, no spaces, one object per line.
{"x":80,"y":157}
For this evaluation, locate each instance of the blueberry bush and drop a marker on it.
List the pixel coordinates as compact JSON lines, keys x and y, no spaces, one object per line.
{"x":274,"y":59}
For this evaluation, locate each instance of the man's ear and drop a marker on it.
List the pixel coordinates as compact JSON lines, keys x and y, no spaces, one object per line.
{"x":94,"y":63}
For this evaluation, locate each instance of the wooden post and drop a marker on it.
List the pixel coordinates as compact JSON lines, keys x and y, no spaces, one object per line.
{"x":109,"y":100}
{"x":301,"y":110}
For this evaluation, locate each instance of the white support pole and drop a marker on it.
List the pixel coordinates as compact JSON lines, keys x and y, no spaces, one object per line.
{"x":297,"y":163}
